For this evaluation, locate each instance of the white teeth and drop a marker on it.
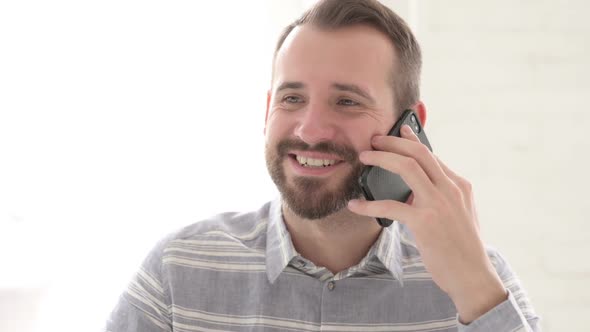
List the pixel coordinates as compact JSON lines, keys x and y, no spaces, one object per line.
{"x":301,"y":160}
{"x":315,"y":162}
{"x":304,"y":161}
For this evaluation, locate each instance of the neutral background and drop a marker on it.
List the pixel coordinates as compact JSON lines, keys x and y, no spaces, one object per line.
{"x":121,"y":121}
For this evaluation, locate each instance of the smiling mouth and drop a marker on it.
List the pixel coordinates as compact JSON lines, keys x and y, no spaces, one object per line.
{"x":313,"y":162}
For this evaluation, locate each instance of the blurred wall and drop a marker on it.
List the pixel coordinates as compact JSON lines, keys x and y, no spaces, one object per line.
{"x":506,"y":84}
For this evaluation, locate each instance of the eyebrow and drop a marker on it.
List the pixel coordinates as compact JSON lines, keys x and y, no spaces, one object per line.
{"x":338,"y":86}
{"x":354,"y":89}
{"x":290,"y":85}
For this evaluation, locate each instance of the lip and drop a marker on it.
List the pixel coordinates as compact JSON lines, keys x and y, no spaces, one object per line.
{"x":314,"y":171}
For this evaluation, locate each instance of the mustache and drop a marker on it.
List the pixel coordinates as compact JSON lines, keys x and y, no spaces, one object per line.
{"x":345,"y":152}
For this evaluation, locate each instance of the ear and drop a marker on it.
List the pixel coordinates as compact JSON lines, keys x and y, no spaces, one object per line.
{"x":421,"y":111}
{"x":267,"y":107}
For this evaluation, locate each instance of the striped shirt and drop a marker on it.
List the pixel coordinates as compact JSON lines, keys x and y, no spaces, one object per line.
{"x":241,"y":272}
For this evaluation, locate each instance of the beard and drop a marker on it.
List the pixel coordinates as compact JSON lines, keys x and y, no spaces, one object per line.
{"x":310,"y":197}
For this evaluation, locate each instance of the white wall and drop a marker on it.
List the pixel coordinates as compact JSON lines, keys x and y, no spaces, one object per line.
{"x":117,"y":117}
{"x":507,"y":83}
{"x":119,"y":122}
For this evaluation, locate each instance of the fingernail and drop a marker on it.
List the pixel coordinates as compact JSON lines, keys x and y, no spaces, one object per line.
{"x":407,"y":130}
{"x":353,"y":202}
{"x":361,"y":156}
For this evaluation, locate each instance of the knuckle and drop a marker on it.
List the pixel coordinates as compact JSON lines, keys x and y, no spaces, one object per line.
{"x":382,"y":209}
{"x":466,"y":185}
{"x":421,"y":150}
{"x":428,"y":215}
{"x":409,"y":163}
{"x":456,"y":192}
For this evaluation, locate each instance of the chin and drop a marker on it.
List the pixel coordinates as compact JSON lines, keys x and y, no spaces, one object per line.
{"x":310,"y":199}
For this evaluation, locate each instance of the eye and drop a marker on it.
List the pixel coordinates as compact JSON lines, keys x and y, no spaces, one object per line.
{"x":291,"y":99}
{"x":347,"y":102}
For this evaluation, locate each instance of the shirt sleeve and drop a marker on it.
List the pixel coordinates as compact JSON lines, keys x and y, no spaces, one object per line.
{"x":145,"y":304}
{"x":515,"y":314}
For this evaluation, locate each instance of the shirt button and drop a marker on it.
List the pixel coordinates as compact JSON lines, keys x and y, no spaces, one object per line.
{"x":331,"y":285}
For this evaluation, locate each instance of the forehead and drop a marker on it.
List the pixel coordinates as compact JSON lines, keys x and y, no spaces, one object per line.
{"x":357,"y":54}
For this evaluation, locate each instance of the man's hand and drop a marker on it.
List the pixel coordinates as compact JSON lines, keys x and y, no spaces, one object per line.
{"x":441,"y":215}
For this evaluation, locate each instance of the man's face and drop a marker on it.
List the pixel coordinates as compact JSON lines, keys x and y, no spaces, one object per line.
{"x":331,"y":94}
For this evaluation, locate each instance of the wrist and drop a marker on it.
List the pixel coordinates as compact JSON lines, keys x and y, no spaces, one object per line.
{"x":473,"y":302}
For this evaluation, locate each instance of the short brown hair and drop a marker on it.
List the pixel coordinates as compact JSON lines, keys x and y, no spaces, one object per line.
{"x":333,"y":14}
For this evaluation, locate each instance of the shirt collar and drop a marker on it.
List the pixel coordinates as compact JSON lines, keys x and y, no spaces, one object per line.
{"x":279,"y":247}
{"x":280,"y":250}
{"x":388,"y":249}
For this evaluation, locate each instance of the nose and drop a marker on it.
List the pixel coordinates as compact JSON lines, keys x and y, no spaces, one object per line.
{"x":316,"y":124}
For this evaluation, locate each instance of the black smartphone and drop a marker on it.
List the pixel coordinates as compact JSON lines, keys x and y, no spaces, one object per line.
{"x":378,"y":183}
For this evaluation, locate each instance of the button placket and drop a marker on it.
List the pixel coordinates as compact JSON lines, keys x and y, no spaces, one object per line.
{"x":331,"y":285}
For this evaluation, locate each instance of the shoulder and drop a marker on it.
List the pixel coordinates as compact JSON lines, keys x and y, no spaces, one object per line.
{"x":242,"y":227}
{"x":245,"y":230}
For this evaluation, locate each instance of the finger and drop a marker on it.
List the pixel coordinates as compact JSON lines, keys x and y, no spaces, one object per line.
{"x":407,"y":132}
{"x":407,"y":168}
{"x":462,"y":183}
{"x":389,"y":209}
{"x":410,"y":146}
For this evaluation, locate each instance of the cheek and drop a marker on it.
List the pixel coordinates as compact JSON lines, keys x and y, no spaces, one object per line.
{"x":361,"y":134}
{"x":380,"y":128}
{"x":277,"y":127}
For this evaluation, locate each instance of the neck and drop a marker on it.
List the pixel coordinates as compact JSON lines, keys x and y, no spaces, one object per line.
{"x":336,"y":242}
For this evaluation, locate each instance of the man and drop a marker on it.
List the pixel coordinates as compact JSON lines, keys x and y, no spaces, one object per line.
{"x":316,"y":260}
